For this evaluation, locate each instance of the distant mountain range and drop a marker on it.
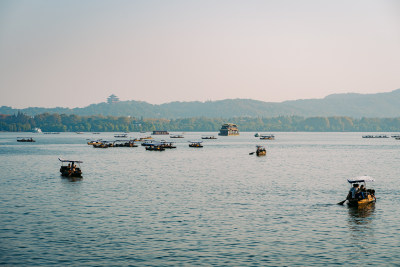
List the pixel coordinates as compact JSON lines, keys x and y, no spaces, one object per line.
{"x":380,"y":105}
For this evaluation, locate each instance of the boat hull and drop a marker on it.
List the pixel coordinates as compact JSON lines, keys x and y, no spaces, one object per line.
{"x":198,"y":146}
{"x":101,"y":146}
{"x":361,"y":203}
{"x":67,"y":172}
{"x":155,"y":148}
{"x":261,"y":153}
{"x":75,"y":175}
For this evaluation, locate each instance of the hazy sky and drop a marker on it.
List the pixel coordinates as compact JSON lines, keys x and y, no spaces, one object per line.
{"x":74,"y":53}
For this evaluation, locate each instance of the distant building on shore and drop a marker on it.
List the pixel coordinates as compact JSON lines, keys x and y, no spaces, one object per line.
{"x":160,"y":133}
{"x":228,"y":129}
{"x":112,"y":99}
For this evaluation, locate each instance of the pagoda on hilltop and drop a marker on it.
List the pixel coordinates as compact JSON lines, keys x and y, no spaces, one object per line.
{"x":112,"y":99}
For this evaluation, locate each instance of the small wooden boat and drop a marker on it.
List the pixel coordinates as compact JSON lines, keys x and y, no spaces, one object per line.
{"x":168,"y":145}
{"x":195,"y":144}
{"x":102,"y":144}
{"x":130,"y":143}
{"x":261,"y":151}
{"x":70,"y":170}
{"x":176,"y":136}
{"x":124,"y":143}
{"x":141,"y":139}
{"x":93,"y":142}
{"x":267,"y":137}
{"x":121,"y":135}
{"x":149,"y":143}
{"x":208,"y":137}
{"x":375,"y":136}
{"x":160,"y":133}
{"x":30,"y":139}
{"x":362,"y":196}
{"x":155,"y":148}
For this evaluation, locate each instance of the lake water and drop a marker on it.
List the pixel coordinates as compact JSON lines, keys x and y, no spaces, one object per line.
{"x":215,"y":205}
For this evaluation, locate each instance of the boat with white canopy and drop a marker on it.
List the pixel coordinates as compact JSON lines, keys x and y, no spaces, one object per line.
{"x":359,"y":195}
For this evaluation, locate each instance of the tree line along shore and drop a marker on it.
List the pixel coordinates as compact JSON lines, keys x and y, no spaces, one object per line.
{"x":71,"y":123}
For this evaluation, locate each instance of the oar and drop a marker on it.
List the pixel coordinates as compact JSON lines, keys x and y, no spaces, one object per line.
{"x":251,"y":153}
{"x":342,"y":202}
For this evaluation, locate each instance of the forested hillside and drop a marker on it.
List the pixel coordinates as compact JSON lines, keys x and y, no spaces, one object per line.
{"x":382,"y":105}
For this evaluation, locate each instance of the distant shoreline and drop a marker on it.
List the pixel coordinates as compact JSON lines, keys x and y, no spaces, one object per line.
{"x":73,"y":123}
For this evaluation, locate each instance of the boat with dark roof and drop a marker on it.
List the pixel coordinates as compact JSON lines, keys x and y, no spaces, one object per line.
{"x":124,"y":135}
{"x":70,"y":170}
{"x":176,"y":136}
{"x":154,"y":147}
{"x":160,"y":133}
{"x":208,"y":137}
{"x":168,"y":145}
{"x":195,"y":144}
{"x":124,"y":143}
{"x":21,"y":139}
{"x":375,"y":136}
{"x":261,"y":151}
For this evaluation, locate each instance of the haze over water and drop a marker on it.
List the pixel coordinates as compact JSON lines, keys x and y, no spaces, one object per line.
{"x":75,"y":53}
{"x":212,"y":206}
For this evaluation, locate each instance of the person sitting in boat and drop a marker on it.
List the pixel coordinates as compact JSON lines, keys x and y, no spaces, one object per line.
{"x":362,"y":193}
{"x":371,"y":192}
{"x":353,"y":192}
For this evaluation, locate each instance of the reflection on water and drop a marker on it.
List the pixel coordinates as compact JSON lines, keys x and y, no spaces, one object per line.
{"x":71,"y":179}
{"x":361,"y":227}
{"x":215,"y":206}
{"x":361,"y":215}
